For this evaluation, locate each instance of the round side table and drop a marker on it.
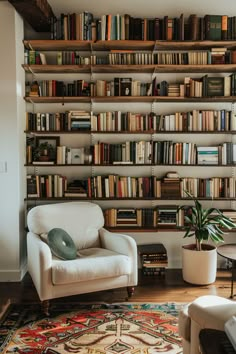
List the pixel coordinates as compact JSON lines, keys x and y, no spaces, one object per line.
{"x":228,"y":251}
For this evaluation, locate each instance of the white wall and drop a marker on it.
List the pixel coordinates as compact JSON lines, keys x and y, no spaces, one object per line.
{"x":148,"y":8}
{"x":12,"y":250}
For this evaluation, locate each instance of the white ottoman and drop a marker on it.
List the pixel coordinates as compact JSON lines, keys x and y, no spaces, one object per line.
{"x":209,"y":311}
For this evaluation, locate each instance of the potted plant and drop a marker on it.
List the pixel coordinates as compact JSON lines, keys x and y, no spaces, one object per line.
{"x":199,"y":260}
{"x":44,"y":152}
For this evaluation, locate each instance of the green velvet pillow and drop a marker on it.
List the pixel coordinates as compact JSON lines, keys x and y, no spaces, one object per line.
{"x":61,"y":244}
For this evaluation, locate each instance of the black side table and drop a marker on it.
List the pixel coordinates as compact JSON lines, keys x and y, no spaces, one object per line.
{"x":213,"y":341}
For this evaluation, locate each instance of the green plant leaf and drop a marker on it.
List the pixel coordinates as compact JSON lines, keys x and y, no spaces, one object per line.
{"x":205,"y":223}
{"x":213,"y":230}
{"x":229,"y":222}
{"x":219,"y":231}
{"x":187,"y":233}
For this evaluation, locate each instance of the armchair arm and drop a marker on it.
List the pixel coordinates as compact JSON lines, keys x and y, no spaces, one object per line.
{"x":123,"y":244}
{"x":39,"y":264}
{"x":120,"y":243}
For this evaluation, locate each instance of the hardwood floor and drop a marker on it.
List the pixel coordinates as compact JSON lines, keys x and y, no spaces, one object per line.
{"x":167,"y":288}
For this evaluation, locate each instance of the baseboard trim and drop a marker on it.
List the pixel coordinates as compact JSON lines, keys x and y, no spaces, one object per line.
{"x":13,"y":275}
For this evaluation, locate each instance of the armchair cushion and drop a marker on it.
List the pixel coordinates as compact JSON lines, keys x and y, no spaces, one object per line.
{"x":93,"y":263}
{"x":61,"y":244}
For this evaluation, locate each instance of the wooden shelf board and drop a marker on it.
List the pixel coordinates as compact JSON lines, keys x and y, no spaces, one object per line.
{"x":43,"y":132}
{"x":128,"y":165}
{"x":56,"y":45}
{"x":124,"y":198}
{"x":157,"y":68}
{"x":207,"y":68}
{"x":56,"y":68}
{"x":114,"y":99}
{"x":100,"y":45}
{"x":148,"y":132}
{"x":62,"y":100}
{"x":144,"y":229}
{"x":189,"y":44}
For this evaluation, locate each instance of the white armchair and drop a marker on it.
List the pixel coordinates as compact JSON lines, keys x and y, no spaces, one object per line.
{"x":105,"y":260}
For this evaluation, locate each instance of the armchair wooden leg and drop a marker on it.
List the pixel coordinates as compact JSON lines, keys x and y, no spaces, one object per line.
{"x":45,"y":307}
{"x":130,"y":291}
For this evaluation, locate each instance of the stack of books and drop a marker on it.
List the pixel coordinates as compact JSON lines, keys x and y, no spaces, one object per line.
{"x":79,"y":120}
{"x":168,"y":215}
{"x":207,"y":155}
{"x":170,"y":185}
{"x":76,"y":188}
{"x":218,"y":55}
{"x":153,"y":258}
{"x":123,"y":217}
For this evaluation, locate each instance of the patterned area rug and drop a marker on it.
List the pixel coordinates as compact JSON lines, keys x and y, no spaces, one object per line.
{"x":130,"y":328}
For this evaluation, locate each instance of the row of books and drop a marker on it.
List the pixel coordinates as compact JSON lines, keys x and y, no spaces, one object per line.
{"x":206,"y":86}
{"x":63,"y":121}
{"x":130,"y":57}
{"x":46,"y":186}
{"x":160,"y":216}
{"x":164,"y":152}
{"x":56,"y":88}
{"x":84,"y":26}
{"x":139,"y":153}
{"x":145,"y":217}
{"x":77,"y":88}
{"x":200,"y":57}
{"x":115,"y":186}
{"x":195,"y":120}
{"x":215,"y":187}
{"x":117,"y":121}
{"x":68,"y":57}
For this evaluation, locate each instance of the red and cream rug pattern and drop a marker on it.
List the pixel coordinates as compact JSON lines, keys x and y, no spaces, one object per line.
{"x":129,"y":328}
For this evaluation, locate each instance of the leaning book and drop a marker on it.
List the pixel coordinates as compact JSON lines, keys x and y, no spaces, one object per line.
{"x":32,"y":186}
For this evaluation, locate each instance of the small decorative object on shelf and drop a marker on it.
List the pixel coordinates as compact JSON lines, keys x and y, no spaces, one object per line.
{"x":45,"y":150}
{"x":34,"y":89}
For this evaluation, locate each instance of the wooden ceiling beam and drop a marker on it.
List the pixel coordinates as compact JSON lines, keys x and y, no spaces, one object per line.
{"x":38,"y":13}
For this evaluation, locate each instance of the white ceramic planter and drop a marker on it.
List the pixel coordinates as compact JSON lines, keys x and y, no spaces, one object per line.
{"x":199,"y":267}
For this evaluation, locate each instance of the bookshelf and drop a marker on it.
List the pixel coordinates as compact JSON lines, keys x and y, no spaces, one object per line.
{"x":151,"y":103}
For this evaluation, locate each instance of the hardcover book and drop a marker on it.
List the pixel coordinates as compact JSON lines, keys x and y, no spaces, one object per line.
{"x":213,"y":27}
{"x":125,"y":86}
{"x":215,"y":86}
{"x":32,"y":182}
